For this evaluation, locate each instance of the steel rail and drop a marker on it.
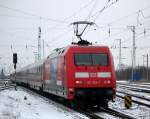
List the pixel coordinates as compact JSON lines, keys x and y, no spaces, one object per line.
{"x":82,"y":111}
{"x":133,"y":95}
{"x":6,"y":87}
{"x":136,"y":85}
{"x":85,"y":111}
{"x":89,"y":114}
{"x":136,"y":89}
{"x":135,"y":101}
{"x":117,"y":113}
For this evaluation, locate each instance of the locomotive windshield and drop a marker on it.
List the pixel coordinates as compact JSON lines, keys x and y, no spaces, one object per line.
{"x":91,"y":59}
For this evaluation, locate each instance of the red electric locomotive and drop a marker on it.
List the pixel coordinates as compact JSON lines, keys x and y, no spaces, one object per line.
{"x":80,"y":73}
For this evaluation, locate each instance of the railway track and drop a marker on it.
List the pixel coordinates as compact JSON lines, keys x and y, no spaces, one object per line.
{"x":135,"y":101}
{"x":135,"y":88}
{"x":141,"y":100}
{"x":7,"y":87}
{"x":64,"y":106}
{"x":93,"y":115}
{"x":133,"y":95}
{"x":117,"y":113}
{"x":87,"y":112}
{"x":136,"y":85}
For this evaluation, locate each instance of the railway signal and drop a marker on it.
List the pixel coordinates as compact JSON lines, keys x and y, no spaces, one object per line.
{"x":15,"y":59}
{"x":15,"y":62}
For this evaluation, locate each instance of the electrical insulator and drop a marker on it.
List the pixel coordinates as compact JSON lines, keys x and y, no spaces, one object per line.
{"x":144,"y":32}
{"x":109,"y":31}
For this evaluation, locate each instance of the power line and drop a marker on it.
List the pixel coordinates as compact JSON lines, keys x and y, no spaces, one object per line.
{"x":92,"y":9}
{"x":33,"y":15}
{"x":140,"y":11}
{"x":13,"y":16}
{"x":128,"y":39}
{"x":75,"y":13}
{"x":119,"y":19}
{"x":107,"y":5}
{"x":55,"y":39}
{"x":99,"y":12}
{"x":79,"y":10}
{"x":129,"y":15}
{"x":115,"y":34}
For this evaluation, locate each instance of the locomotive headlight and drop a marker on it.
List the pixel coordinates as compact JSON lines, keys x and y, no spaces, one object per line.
{"x":79,"y":82}
{"x":71,"y":89}
{"x":108,"y":81}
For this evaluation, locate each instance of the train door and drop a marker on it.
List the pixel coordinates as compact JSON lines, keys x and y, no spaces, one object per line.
{"x":46,"y":72}
{"x":61,"y":75}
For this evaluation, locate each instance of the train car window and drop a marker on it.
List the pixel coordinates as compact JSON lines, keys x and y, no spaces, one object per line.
{"x":53,"y":68}
{"x":100,"y":59}
{"x":83,"y":59}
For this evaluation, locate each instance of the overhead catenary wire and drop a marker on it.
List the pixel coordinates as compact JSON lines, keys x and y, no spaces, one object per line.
{"x":141,"y":12}
{"x":107,"y":5}
{"x":56,"y":38}
{"x":137,"y":47}
{"x":20,"y":17}
{"x":126,"y":16}
{"x":33,"y":15}
{"x":87,"y":4}
{"x":128,"y":39}
{"x":94,"y":5}
{"x":129,"y":15}
{"x":79,"y":10}
{"x":75,"y":13}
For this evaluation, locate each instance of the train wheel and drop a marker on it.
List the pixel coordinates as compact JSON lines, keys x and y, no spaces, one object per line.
{"x":74,"y":104}
{"x":102,"y":103}
{"x":41,"y":88}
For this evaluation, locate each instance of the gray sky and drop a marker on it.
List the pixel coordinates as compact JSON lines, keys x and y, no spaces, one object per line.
{"x":20,"y":19}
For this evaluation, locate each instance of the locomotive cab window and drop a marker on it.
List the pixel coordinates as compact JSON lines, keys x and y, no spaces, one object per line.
{"x":100,"y":59}
{"x":83,"y":59}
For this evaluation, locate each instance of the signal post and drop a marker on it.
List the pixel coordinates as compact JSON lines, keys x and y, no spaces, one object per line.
{"x":15,"y":65}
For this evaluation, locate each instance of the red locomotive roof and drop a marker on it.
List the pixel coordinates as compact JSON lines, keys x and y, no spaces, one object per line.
{"x":75,"y":47}
{"x":89,"y":47}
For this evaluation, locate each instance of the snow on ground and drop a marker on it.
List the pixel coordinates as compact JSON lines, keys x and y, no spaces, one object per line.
{"x":140,"y":112}
{"x":141,"y":94}
{"x":23,"y":105}
{"x":122,"y":81}
{"x":136,"y":111}
{"x":106,"y":116}
{"x":13,"y":105}
{"x":128,"y":90}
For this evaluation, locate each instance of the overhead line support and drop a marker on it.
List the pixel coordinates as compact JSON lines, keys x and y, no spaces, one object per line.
{"x":133,"y":51}
{"x":39,"y":44}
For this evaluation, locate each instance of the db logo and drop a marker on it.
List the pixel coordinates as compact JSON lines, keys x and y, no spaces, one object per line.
{"x":93,"y":75}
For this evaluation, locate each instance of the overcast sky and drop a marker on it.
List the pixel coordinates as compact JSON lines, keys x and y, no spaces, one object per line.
{"x":20,"y":19}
